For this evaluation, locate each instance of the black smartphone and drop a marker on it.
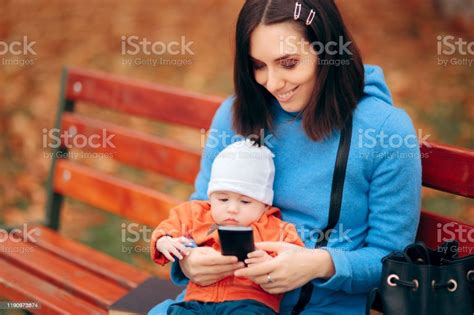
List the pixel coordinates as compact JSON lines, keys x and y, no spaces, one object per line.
{"x":236,"y":241}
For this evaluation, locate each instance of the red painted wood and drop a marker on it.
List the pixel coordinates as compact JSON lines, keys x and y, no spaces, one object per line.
{"x":434,"y":229}
{"x":88,"y":258}
{"x":79,"y":282}
{"x":18,"y":285}
{"x":144,"y":99}
{"x":448,"y":169}
{"x":135,"y":202}
{"x":137,"y":148}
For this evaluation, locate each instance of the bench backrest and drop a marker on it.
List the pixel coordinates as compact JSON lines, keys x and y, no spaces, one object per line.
{"x":444,"y":168}
{"x":449,"y":169}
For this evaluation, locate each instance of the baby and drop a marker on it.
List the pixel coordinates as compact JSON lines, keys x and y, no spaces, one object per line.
{"x":240,"y":193}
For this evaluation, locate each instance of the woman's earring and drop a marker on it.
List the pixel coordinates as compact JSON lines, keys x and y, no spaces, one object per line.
{"x":311,"y":16}
{"x":297,"y":13}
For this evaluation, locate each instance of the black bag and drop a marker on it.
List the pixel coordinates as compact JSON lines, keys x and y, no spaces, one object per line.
{"x":423,"y":281}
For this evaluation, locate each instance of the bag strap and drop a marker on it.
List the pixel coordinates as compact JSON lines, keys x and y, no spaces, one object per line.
{"x":337,"y":189}
{"x":373,"y":300}
{"x":338,"y":179}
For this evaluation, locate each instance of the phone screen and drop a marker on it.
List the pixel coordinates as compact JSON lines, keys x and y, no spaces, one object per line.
{"x":236,"y":241}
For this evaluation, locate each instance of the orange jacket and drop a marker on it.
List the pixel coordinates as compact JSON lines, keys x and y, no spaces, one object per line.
{"x":193,"y":219}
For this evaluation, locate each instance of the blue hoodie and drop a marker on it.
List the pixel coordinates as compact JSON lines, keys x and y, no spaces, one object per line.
{"x":381,"y":201}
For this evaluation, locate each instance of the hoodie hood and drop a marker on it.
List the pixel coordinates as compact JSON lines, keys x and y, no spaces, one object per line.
{"x":375,"y":85}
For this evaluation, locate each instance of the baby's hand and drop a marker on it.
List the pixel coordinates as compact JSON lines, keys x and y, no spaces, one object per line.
{"x":170,"y":246}
{"x":257,"y":256}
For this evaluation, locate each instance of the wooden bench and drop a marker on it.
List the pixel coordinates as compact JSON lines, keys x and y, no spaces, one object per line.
{"x":64,"y":276}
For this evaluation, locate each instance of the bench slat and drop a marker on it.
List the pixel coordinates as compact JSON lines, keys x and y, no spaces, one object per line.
{"x":19,"y":285}
{"x":67,"y":276}
{"x":448,"y":169}
{"x":139,"y":149}
{"x":142,"y":99}
{"x":135,"y":202}
{"x":103,"y":265}
{"x":434,"y":229}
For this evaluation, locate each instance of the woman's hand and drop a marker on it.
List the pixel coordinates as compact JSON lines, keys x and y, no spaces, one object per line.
{"x":292,"y":268}
{"x":205,"y":266}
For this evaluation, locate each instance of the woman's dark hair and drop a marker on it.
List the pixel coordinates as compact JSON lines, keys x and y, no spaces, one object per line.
{"x":340,"y":77}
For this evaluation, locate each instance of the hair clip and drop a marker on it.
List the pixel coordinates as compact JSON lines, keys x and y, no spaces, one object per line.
{"x":297,"y":13}
{"x":311,"y":16}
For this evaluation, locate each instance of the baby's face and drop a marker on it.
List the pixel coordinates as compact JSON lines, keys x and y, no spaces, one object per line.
{"x":228,"y":208}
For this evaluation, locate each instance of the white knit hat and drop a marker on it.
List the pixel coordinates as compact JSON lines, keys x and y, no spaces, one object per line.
{"x":244,"y":168}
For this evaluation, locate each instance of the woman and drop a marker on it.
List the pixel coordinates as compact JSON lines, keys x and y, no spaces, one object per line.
{"x":299,"y":78}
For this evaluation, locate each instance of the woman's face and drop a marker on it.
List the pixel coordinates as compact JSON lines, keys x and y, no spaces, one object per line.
{"x":284,"y":64}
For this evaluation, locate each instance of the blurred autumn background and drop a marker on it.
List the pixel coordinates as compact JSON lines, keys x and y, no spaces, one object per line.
{"x":400,"y":36}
